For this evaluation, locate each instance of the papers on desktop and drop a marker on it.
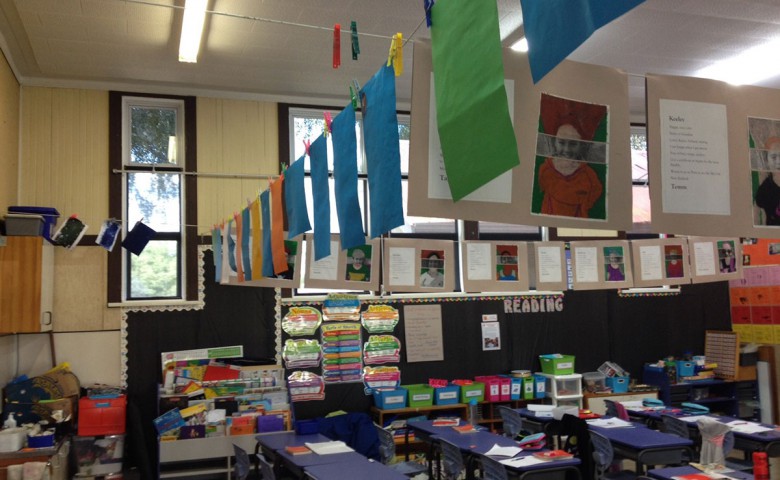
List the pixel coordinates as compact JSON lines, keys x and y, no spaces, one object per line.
{"x":694,"y":418}
{"x":742,"y":426}
{"x":326,"y":448}
{"x":541,"y":410}
{"x":498,"y":451}
{"x":633,"y":404}
{"x":609,"y":423}
{"x":524,"y":461}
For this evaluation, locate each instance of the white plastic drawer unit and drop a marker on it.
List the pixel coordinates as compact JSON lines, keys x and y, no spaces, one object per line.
{"x":563,"y":385}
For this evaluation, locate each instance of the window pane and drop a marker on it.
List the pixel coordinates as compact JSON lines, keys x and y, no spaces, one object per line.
{"x":419,"y":225}
{"x":638,"y":154}
{"x":155,"y":272}
{"x":641,"y":209}
{"x":155,"y":198}
{"x":404,"y":132}
{"x":334,"y":219}
{"x":153,"y":138}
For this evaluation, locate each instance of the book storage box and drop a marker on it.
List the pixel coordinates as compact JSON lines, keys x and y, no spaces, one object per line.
{"x":390,"y":399}
{"x":516,"y":388}
{"x":618,"y":384}
{"x":419,"y":395}
{"x":102,"y":416}
{"x":474,"y":391}
{"x":99,"y":455}
{"x":448,"y":395}
{"x":557,"y":364}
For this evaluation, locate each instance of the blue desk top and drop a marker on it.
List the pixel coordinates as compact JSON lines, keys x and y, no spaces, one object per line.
{"x":760,"y":437}
{"x":668,"y":473}
{"x":480,"y":442}
{"x":358,"y":469}
{"x":278,"y":440}
{"x":641,"y":438}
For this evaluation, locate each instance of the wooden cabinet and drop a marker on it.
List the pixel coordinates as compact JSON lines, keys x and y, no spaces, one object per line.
{"x":26,"y":284}
{"x":595,"y":401}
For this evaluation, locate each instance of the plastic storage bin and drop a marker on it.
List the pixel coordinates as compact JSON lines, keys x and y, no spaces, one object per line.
{"x":419,"y":395}
{"x":540,"y":386}
{"x":516,"y":388}
{"x":49,"y":214}
{"x":618,"y":384}
{"x":492,"y":387}
{"x":41,"y":441}
{"x":528,"y":388}
{"x":685,"y":368}
{"x":563,"y":385}
{"x":99,"y":455}
{"x":448,"y":395}
{"x":23,"y":225}
{"x":390,"y":399}
{"x":475,"y":391}
{"x":306,"y":427}
{"x":102,"y":416}
{"x":557,"y":364}
{"x":594,"y":382}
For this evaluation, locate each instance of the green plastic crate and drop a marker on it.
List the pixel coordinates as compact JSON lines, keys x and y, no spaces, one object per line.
{"x":420,"y":395}
{"x":475,"y":391}
{"x":557,"y":364}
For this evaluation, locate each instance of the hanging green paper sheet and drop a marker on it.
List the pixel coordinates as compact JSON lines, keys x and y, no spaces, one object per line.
{"x":477,"y":139}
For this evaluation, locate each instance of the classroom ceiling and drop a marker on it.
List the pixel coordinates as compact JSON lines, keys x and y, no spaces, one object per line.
{"x":269,"y":49}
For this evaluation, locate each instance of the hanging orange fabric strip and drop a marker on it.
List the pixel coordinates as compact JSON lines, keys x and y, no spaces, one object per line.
{"x":257,"y":237}
{"x":277,"y":227}
{"x":239,"y":263}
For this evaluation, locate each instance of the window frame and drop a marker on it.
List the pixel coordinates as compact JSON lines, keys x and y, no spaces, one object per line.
{"x":118,"y":266}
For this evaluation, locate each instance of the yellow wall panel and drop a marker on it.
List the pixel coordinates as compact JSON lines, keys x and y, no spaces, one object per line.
{"x":234,"y":137}
{"x":64,"y":152}
{"x":9,"y":135}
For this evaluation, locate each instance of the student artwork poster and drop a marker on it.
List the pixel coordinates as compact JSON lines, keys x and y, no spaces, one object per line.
{"x":359,"y":264}
{"x":571,"y":159}
{"x":673,"y":261}
{"x":432,"y":268}
{"x":506,"y":263}
{"x":764,"y":158}
{"x":614,"y":270}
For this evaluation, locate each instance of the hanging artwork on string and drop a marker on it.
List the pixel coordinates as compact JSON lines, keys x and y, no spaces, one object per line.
{"x":109,"y":231}
{"x":70,"y":232}
{"x":137,"y":239}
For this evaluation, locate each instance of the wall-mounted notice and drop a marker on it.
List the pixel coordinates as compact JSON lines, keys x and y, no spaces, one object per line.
{"x":326,"y":268}
{"x":479,"y":261}
{"x":694,"y":158}
{"x":650,"y":260}
{"x":422,"y":325}
{"x":586,"y":267}
{"x":704,"y":255}
{"x":549,"y":264}
{"x":402,"y":266}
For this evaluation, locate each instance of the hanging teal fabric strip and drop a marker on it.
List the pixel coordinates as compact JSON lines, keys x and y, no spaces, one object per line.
{"x":321,"y":194}
{"x":246,"y":243}
{"x":216,"y":249}
{"x":295,"y":199}
{"x":345,"y":175}
{"x":383,"y":153}
{"x":268,"y":256}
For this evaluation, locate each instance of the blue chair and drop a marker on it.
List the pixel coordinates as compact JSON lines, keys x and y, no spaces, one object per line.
{"x":452,"y":464}
{"x":387,"y":455}
{"x":603,"y":456}
{"x":512,"y":421}
{"x":243,"y":465}
{"x":493,"y":469}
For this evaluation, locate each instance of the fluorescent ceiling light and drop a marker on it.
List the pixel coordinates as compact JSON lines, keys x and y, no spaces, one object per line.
{"x":191,"y":30}
{"x":748,"y":67}
{"x":520,"y":45}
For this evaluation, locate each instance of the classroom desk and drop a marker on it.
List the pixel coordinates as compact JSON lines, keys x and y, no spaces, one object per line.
{"x":671,"y":472}
{"x":478,"y":443}
{"x":272,"y":445}
{"x":364,"y":468}
{"x":646,"y":446}
{"x":768,"y":441}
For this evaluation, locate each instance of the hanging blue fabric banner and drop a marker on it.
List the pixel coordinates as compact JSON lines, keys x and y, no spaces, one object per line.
{"x":345,"y":175}
{"x":231,"y":247}
{"x":383,"y":154}
{"x":295,"y":200}
{"x":216,"y":249}
{"x":555,"y":28}
{"x":246,"y":243}
{"x":318,"y":154}
{"x":268,"y":258}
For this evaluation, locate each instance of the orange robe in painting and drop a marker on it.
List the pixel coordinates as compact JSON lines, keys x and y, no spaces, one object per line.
{"x":568,"y":196}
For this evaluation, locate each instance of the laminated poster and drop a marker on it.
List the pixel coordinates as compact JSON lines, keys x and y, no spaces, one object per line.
{"x":301,"y":353}
{"x":380,"y":318}
{"x":301,"y":321}
{"x":305,"y":386}
{"x":381,"y":349}
{"x":342,"y":358}
{"x":381,"y":378}
{"x":340,"y":307}
{"x":491,"y":336}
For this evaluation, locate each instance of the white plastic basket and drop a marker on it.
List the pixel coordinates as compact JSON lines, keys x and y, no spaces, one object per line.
{"x":12,"y":439}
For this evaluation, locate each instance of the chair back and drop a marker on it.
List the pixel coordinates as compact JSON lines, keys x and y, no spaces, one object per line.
{"x":603,"y":453}
{"x":611,"y":408}
{"x":577,"y":434}
{"x":513,"y":422}
{"x":243,"y":465}
{"x":266,"y":469}
{"x":452,"y":459}
{"x":493,"y":469}
{"x":386,"y":445}
{"x":622,"y":413}
{"x":714,"y":437}
{"x":675,"y":426}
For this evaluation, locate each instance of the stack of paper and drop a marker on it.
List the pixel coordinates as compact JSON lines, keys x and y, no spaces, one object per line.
{"x":326,"y":448}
